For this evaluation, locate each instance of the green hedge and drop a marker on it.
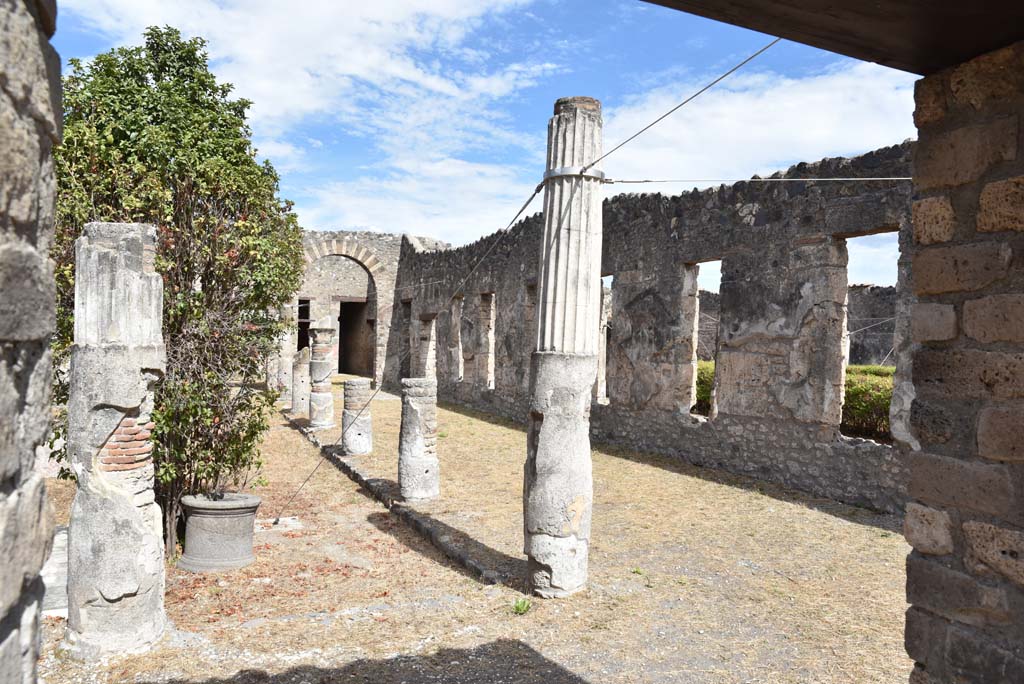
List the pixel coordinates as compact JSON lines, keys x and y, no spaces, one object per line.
{"x":865,"y":411}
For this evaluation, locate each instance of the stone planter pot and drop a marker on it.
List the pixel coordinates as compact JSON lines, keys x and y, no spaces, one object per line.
{"x":218,"y":532}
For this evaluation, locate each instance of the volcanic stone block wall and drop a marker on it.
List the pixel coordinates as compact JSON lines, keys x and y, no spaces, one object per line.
{"x":29,"y":127}
{"x":965,"y":577}
{"x":783,"y":322}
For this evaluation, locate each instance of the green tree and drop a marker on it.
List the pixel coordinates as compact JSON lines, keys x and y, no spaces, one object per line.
{"x":151,"y":136}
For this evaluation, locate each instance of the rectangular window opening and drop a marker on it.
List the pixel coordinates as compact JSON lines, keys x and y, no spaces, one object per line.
{"x":604,"y":340}
{"x":485,"y":358}
{"x":707,"y":308}
{"x":456,"y":362}
{"x":303,"y":319}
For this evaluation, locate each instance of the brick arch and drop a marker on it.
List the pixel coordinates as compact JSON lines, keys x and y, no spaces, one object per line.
{"x":315,"y":249}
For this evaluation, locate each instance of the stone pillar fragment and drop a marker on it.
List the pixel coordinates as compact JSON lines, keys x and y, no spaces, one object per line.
{"x":286,"y":349}
{"x":300,"y":383}
{"x":419,"y":473}
{"x":321,"y":370}
{"x":115,"y":539}
{"x":356,"y":423}
{"x":558,"y":485}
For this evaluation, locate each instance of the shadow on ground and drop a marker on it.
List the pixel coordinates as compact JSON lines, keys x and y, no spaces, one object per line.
{"x":499,"y":662}
{"x":490,"y":565}
{"x":861,"y":516}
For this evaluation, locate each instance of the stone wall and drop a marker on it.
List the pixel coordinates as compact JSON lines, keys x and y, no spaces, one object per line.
{"x":29,"y":127}
{"x":353,"y":266}
{"x":779,"y":384}
{"x":965,"y":577}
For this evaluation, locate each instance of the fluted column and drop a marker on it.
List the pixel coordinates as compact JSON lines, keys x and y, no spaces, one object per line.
{"x":321,"y":369}
{"x":558,"y":485}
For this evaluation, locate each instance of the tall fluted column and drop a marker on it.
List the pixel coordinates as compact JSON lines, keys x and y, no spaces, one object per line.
{"x":321,"y":369}
{"x":356,"y":423}
{"x":558,"y":485}
{"x":115,"y":541}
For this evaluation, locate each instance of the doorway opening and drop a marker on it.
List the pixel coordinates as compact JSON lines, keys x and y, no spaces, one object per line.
{"x":355,"y":338}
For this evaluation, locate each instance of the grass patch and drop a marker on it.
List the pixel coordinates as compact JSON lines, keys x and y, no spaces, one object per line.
{"x":865,"y":409}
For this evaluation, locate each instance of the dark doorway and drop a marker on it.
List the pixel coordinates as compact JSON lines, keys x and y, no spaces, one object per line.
{"x":355,"y":339}
{"x":302,"y":339}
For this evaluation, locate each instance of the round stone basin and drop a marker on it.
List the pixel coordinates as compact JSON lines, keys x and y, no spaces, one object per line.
{"x":218,"y":532}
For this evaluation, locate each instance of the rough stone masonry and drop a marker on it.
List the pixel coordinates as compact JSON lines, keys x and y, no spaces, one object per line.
{"x":965,"y":576}
{"x":29,"y":127}
{"x":115,"y":538}
{"x":558,"y":483}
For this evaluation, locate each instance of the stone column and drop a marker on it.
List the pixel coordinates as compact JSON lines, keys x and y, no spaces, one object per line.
{"x":419,"y":473}
{"x":356,"y":423}
{"x":29,"y":127}
{"x":321,"y":370}
{"x":300,"y":383}
{"x":558,"y":486}
{"x":426,"y":349}
{"x":965,"y":521}
{"x":115,"y":538}
{"x":286,"y":349}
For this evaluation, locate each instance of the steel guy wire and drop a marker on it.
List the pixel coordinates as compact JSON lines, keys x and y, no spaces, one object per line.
{"x":672,"y":111}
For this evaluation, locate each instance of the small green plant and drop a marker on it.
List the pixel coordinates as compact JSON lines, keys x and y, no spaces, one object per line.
{"x":442,"y":434}
{"x":521,"y":606}
{"x":637,"y":571}
{"x":705,"y":381}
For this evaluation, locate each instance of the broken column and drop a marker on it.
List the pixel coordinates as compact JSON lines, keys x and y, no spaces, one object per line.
{"x":356,"y":423}
{"x":300,"y":383}
{"x":29,"y":127}
{"x":419,"y":473}
{"x":558,"y":486}
{"x":286,"y":350}
{"x":321,"y":369}
{"x":115,"y":540}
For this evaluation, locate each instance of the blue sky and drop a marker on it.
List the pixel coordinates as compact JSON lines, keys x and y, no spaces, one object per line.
{"x":430,"y":117}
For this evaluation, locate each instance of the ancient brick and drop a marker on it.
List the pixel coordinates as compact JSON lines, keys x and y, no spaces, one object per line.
{"x":999,"y":548}
{"x":955,"y":595}
{"x":999,"y":433}
{"x":970,"y":485}
{"x":933,"y":322}
{"x":961,"y":268}
{"x":934,"y":220}
{"x":996,"y":75}
{"x":962,"y":155}
{"x":969,"y":374}
{"x":928,"y":530}
{"x":999,"y":318}
{"x":930,"y":100}
{"x":1001,"y":206}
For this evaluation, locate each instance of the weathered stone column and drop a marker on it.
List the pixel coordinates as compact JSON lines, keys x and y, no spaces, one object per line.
{"x":286,"y":350}
{"x":558,"y":486}
{"x":300,"y":383}
{"x":321,"y":370}
{"x":29,"y":127}
{"x":356,"y":423}
{"x":115,"y":539}
{"x":419,"y":473}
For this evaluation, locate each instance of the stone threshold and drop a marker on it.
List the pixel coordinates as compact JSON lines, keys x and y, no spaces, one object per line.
{"x":385,"y":492}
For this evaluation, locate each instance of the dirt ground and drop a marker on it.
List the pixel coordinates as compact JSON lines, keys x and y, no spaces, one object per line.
{"x":695,"y":576}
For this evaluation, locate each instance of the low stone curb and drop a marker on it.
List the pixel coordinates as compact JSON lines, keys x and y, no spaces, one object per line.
{"x":423,"y":524}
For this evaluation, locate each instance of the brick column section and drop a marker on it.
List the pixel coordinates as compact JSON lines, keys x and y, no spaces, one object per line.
{"x":29,"y":127}
{"x":356,"y":422}
{"x":419,"y":473}
{"x":321,"y":370}
{"x":115,"y":538}
{"x":965,"y":576}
